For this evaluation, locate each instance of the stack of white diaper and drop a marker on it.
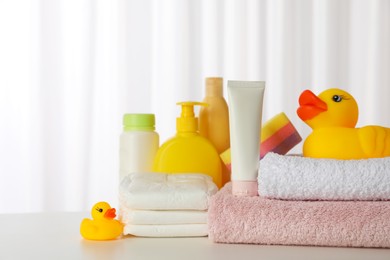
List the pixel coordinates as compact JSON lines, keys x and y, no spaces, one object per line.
{"x":165,"y":205}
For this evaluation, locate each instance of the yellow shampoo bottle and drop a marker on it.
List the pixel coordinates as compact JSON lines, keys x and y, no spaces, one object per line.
{"x":214,"y":120}
{"x":188,"y":151}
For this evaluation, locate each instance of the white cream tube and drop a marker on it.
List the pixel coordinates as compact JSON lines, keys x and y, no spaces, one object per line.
{"x":245,"y":111}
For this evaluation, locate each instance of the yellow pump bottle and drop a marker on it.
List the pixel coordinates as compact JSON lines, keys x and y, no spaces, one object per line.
{"x":214,"y":120}
{"x":188,"y":151}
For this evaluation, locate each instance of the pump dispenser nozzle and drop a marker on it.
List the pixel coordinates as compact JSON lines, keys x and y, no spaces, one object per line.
{"x":187,"y":122}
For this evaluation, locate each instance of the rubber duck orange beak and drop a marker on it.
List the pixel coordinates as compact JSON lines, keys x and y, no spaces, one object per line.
{"x":310,"y":105}
{"x":110,"y":213}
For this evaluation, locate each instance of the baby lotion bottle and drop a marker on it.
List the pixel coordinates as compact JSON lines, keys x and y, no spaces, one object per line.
{"x":138,"y":144}
{"x":214,"y":120}
{"x":188,"y":151}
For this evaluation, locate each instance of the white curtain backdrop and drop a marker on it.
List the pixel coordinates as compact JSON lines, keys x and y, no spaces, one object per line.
{"x":69,"y":70}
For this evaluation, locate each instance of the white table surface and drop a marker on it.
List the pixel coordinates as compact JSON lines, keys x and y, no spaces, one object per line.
{"x":56,"y":236}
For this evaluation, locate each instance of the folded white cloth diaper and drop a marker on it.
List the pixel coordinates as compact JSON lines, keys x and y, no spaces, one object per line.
{"x":182,"y":230}
{"x":159,"y":191}
{"x":161,"y":217}
{"x":301,"y":178}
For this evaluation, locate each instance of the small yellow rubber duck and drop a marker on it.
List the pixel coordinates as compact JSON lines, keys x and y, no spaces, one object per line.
{"x":333,"y":116}
{"x":103,"y":226}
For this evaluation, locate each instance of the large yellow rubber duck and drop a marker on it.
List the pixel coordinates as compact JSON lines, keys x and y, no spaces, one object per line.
{"x":103,"y":226}
{"x":333,"y":116}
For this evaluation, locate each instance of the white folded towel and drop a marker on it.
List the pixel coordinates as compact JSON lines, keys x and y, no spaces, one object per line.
{"x":301,"y":178}
{"x":184,"y":230}
{"x":159,"y":191}
{"x":161,"y":217}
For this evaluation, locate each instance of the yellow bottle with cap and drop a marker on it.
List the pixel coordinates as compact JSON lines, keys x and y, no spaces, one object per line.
{"x":214,"y":120}
{"x":188,"y":151}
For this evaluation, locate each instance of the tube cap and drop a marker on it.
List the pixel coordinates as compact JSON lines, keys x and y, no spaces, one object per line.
{"x":245,"y":188}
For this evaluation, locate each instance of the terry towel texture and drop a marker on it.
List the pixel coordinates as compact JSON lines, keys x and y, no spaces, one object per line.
{"x":158,"y":191}
{"x":189,"y":230}
{"x":256,"y":220}
{"x":162,"y":217}
{"x":300,"y":178}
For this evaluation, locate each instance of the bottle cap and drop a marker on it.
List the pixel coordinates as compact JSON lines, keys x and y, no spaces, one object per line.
{"x":187,"y":122}
{"x":214,"y":86}
{"x":138,"y":122}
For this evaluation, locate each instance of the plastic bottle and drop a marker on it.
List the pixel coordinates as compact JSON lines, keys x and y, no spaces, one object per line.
{"x":188,"y":151}
{"x":138,"y":144}
{"x":214,"y":120}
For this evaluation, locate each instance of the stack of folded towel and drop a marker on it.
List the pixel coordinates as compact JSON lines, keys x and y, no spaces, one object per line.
{"x":303,"y":201}
{"x":165,"y":205}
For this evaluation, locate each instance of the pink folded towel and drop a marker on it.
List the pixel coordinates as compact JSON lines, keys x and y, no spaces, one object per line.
{"x":256,"y":220}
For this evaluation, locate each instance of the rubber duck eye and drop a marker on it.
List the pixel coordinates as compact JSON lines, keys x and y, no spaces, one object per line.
{"x":337,"y":98}
{"x":99,"y":209}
